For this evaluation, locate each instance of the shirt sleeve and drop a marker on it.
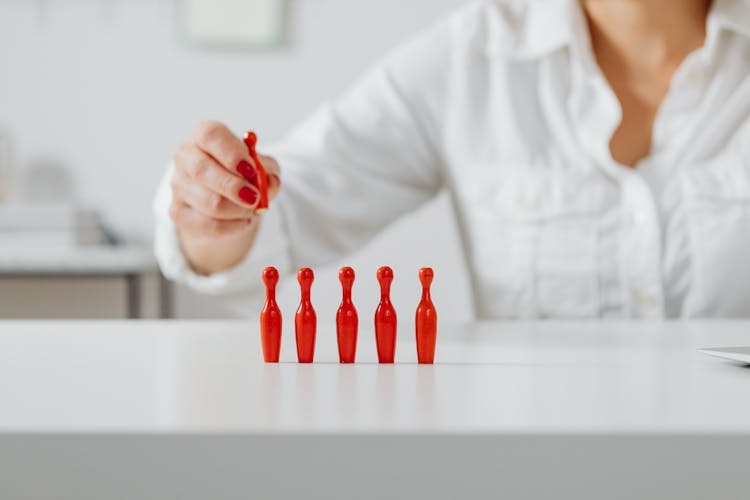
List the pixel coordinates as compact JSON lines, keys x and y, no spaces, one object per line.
{"x":356,"y":165}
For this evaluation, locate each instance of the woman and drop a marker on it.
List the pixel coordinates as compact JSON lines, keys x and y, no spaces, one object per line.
{"x":597,"y":153}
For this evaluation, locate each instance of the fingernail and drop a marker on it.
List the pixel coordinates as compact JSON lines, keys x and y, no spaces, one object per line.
{"x":248,"y":195}
{"x":246,"y":170}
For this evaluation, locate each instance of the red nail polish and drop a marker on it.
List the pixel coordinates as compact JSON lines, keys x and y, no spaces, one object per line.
{"x":247,"y":171}
{"x":248,"y":195}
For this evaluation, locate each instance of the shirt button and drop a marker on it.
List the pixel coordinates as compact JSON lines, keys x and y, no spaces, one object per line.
{"x":525,"y":203}
{"x":693,"y":74}
{"x":645,"y":297}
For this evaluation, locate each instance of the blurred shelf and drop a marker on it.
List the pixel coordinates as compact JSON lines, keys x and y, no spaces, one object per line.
{"x":72,"y":260}
{"x":44,"y":281}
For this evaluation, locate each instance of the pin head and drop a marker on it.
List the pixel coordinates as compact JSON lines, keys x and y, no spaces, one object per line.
{"x":270,"y":276}
{"x":385,"y":276}
{"x":346,"y":276}
{"x":425,"y":276}
{"x":251,"y":139}
{"x":305,"y":276}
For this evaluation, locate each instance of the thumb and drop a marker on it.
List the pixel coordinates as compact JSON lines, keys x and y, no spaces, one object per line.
{"x":273,"y":171}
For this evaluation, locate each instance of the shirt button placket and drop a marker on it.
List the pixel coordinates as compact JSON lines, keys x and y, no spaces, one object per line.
{"x":642,"y":250}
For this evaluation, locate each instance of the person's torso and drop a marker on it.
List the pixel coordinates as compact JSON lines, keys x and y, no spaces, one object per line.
{"x":555,"y":228}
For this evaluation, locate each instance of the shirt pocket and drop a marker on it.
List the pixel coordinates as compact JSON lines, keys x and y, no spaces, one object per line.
{"x":534,"y":240}
{"x":717,"y":210}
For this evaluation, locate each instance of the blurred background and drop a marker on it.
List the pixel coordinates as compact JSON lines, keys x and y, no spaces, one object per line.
{"x":96,"y":94}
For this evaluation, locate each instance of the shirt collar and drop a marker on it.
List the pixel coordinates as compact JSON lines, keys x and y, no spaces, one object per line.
{"x":529,"y":29}
{"x":732,"y":15}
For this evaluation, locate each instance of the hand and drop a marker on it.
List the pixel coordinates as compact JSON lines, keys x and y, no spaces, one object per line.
{"x":214,"y":187}
{"x":215,"y":195}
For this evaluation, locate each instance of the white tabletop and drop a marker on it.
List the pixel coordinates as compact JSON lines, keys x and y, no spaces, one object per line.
{"x":555,"y":377}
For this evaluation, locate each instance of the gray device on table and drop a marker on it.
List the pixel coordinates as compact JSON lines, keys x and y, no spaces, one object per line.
{"x":740,"y":354}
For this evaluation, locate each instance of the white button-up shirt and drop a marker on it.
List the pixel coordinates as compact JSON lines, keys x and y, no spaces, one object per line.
{"x":503,"y":105}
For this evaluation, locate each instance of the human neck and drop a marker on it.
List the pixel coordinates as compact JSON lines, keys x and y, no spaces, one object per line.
{"x":646,"y":35}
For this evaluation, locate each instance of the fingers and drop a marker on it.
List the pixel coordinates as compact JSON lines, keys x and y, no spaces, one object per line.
{"x":206,"y":171}
{"x":218,"y":142}
{"x":214,"y":185}
{"x":197,"y":224}
{"x":208,"y":202}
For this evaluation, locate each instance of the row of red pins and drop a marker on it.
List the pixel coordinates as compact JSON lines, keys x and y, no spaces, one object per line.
{"x":305,"y":320}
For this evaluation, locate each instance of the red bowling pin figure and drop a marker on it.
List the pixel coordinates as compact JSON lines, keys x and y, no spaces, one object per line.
{"x":251,"y":139}
{"x":270,"y":318}
{"x":346,"y":318}
{"x":305,"y":320}
{"x":385,"y":318}
{"x":426,"y":320}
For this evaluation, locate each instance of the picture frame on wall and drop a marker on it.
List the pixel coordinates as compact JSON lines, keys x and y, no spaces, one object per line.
{"x":232,"y":24}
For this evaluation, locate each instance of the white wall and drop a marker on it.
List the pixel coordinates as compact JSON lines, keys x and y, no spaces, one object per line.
{"x":106,"y":88}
